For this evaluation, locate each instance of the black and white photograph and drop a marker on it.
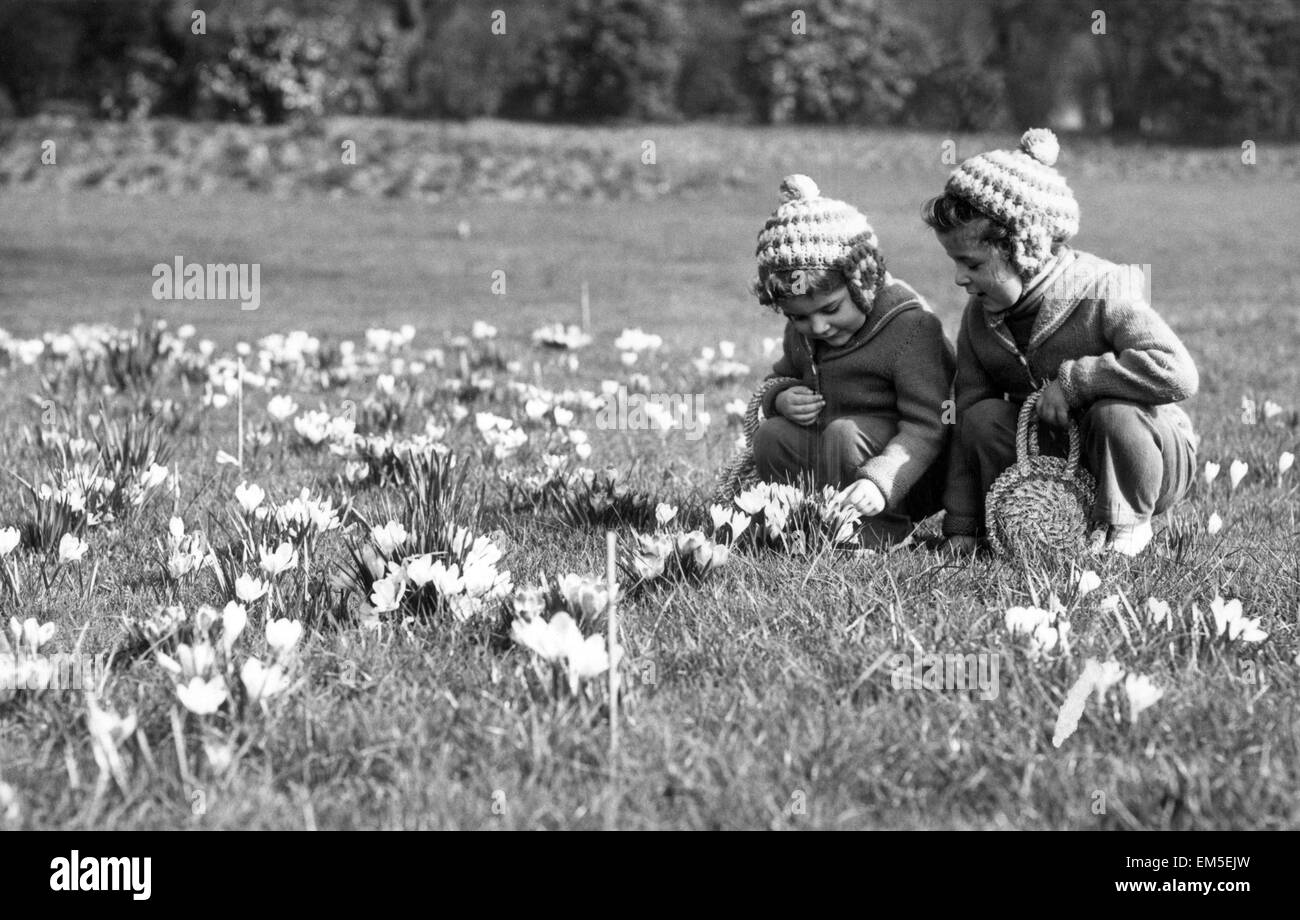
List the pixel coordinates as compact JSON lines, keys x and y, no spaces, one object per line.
{"x":650,"y":415}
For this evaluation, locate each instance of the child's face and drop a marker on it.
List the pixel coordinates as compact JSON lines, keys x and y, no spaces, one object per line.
{"x":982,"y":269}
{"x":827,"y":316}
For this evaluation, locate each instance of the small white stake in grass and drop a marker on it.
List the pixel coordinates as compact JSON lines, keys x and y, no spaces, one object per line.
{"x":239,"y":403}
{"x":586,"y":308}
{"x":611,"y":554}
{"x":1067,"y":720}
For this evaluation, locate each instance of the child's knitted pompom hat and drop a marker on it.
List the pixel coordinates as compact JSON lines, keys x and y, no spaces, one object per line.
{"x":1020,"y":190}
{"x":808,"y":231}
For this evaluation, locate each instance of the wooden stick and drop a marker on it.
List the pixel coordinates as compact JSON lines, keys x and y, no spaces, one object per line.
{"x":239,"y":451}
{"x":611,"y":546}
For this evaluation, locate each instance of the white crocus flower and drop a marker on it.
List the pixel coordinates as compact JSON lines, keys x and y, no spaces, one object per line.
{"x":1158,"y":612}
{"x":1087,"y":581}
{"x":386,"y":594}
{"x":9,"y":540}
{"x":154,"y":476}
{"x":30,"y":635}
{"x":710,"y":555}
{"x":535,"y":408}
{"x":202,"y":697}
{"x":281,"y":407}
{"x":1021,"y":621}
{"x":233,"y":620}
{"x":1142,"y":694}
{"x":1211,"y":471}
{"x":419,"y":569}
{"x":283,"y":635}
{"x":446,"y":579}
{"x":71,"y":548}
{"x":552,"y":639}
{"x":108,"y":731}
{"x":249,"y":496}
{"x":249,"y":589}
{"x":261,"y":681}
{"x":389,"y":537}
{"x":281,"y":560}
{"x":194,"y":661}
{"x":588,"y":659}
{"x":1236,"y":472}
{"x":1230,"y":618}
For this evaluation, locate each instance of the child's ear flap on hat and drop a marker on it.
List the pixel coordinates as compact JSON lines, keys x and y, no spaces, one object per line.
{"x":865,"y":272}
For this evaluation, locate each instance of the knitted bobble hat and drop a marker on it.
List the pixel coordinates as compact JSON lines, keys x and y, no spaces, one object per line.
{"x":809,"y":231}
{"x":1020,"y":189}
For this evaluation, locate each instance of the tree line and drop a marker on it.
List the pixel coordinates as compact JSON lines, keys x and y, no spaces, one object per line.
{"x":1174,"y":68}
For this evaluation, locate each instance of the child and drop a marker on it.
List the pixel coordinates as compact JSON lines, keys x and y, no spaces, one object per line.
{"x":1043,"y":316}
{"x":874,"y":365}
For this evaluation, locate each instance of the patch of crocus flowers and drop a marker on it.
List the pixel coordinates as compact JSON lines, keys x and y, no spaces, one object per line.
{"x":206,"y":672}
{"x":549,"y":622}
{"x":461,"y":576}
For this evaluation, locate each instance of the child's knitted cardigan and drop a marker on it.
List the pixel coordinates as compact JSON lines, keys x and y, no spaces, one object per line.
{"x":1094,"y":333}
{"x":899,"y":365}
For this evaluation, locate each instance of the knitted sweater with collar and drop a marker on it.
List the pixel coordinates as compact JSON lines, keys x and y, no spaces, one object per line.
{"x":899,"y":365}
{"x":1094,"y":333}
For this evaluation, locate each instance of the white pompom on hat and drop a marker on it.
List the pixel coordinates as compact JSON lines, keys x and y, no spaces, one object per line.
{"x":809,"y":231}
{"x":1021,"y":190}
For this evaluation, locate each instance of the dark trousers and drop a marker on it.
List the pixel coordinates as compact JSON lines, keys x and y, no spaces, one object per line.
{"x":833,"y":454}
{"x":1143,"y":457}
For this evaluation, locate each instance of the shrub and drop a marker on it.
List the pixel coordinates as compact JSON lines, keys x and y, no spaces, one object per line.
{"x":855,"y":63}
{"x":964,"y":97}
{"x":607,"y":59}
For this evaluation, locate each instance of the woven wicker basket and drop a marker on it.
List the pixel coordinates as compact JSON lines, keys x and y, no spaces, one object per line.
{"x":1039,"y":502}
{"x":739,"y":472}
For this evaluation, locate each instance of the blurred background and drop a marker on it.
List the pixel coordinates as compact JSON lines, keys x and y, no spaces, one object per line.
{"x":1158,"y":68}
{"x":384,"y":161}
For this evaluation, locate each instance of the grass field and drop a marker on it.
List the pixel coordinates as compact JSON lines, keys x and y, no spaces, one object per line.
{"x":759,"y":697}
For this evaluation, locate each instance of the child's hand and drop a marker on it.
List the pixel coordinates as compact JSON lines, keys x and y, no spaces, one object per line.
{"x":865,"y":496}
{"x":800,"y":405}
{"x":1052,"y":406}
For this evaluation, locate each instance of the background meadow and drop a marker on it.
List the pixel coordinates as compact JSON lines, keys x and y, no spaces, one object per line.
{"x":757,"y":695}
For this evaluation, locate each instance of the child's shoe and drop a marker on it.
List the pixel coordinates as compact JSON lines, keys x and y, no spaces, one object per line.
{"x":1130,"y":539}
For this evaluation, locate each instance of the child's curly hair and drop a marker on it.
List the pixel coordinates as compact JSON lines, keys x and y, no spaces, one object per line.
{"x":1025,"y":251}
{"x":863,"y":273}
{"x":1028,"y":204}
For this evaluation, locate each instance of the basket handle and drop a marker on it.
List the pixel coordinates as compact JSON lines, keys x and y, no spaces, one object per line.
{"x":754,"y":411}
{"x":1027,"y":447}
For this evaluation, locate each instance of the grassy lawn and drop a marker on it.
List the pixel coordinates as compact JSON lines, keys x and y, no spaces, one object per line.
{"x":759,"y":697}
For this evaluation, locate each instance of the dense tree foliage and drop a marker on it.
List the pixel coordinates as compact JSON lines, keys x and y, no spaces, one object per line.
{"x":1172,"y":67}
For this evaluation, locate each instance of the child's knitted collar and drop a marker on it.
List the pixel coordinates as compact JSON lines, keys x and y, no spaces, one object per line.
{"x":1038,"y":286}
{"x":893,"y":298}
{"x":1041,"y":297}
